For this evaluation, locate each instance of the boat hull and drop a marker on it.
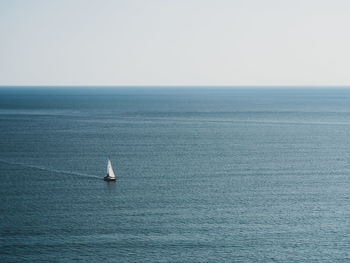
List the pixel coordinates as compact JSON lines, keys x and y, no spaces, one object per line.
{"x":108,"y":179}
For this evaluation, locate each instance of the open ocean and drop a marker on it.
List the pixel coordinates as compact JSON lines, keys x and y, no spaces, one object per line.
{"x":203,"y":174}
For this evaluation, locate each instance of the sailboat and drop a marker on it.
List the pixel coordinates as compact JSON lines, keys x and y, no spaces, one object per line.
{"x":110,"y":174}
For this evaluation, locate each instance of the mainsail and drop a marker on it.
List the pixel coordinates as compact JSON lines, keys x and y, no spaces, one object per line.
{"x":110,"y":172}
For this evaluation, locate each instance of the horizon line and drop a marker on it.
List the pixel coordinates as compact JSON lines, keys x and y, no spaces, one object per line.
{"x":179,"y":86}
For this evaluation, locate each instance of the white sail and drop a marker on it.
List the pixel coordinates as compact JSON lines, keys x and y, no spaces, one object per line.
{"x":110,"y":172}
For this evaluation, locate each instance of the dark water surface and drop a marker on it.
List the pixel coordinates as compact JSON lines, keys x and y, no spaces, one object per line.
{"x":203,"y":175}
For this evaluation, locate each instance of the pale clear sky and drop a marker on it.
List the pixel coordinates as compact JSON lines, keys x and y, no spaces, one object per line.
{"x":175,"y":42}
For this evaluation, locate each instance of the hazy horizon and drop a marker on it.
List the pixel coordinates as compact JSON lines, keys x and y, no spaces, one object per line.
{"x":184,"y":86}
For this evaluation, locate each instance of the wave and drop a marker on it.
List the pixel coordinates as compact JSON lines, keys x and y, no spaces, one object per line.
{"x":43,"y":168}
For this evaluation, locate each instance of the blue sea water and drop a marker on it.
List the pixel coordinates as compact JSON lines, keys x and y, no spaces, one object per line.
{"x":203,"y":174}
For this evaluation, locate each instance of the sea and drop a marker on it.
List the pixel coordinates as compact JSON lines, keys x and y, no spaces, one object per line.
{"x":204,"y":174}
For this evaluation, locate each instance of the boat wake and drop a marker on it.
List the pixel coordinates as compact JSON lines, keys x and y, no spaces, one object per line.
{"x":43,"y":168}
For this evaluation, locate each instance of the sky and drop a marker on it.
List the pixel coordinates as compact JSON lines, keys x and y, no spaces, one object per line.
{"x":175,"y":42}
